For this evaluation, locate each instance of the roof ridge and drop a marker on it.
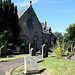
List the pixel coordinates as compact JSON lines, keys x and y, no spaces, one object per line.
{"x":21,"y":12}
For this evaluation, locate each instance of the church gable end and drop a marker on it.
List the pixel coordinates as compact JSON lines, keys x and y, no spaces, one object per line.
{"x":30,"y":25}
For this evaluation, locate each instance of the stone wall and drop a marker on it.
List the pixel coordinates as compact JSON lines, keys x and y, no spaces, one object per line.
{"x":35,"y":32}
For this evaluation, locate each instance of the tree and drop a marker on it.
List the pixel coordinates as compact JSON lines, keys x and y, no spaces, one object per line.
{"x":69,"y":37}
{"x":71,"y":32}
{"x":9,"y":3}
{"x":6,"y":38}
{"x":0,"y":8}
{"x":9,"y":21}
{"x":59,"y":36}
{"x":1,"y":19}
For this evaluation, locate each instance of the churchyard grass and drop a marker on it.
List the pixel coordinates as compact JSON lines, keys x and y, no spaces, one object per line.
{"x":51,"y":66}
{"x":13,"y":57}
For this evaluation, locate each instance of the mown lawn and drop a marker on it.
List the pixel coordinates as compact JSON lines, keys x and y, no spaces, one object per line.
{"x":51,"y":66}
{"x":13,"y":57}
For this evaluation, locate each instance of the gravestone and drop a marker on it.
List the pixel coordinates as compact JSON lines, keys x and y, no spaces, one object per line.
{"x":22,"y":49}
{"x":29,"y":47}
{"x":17,"y":49}
{"x":44,"y":51}
{"x":32,"y":52}
{"x":72,"y":45}
{"x":73,"y":58}
{"x":3,"y":51}
{"x":74,"y":49}
{"x":26,"y":49}
{"x":30,"y":65}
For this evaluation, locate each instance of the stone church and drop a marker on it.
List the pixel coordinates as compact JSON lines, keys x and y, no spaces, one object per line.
{"x":33,"y":31}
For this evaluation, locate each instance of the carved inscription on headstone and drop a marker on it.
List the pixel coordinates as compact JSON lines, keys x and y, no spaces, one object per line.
{"x":30,"y":65}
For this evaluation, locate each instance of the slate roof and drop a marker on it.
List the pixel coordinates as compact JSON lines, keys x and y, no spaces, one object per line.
{"x":20,"y":13}
{"x":47,"y":28}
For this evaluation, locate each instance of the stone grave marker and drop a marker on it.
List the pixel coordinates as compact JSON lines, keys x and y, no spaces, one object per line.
{"x":17,"y":49}
{"x":22,"y":49}
{"x":44,"y":51}
{"x":72,"y":45}
{"x":26,"y":49}
{"x":29,"y":47}
{"x":32,"y":52}
{"x":30,"y":63}
{"x":3,"y":51}
{"x":74,"y":49}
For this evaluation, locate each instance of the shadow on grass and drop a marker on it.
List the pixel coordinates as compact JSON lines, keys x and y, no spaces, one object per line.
{"x":52,"y":56}
{"x":3,"y":61}
{"x":35,"y":73}
{"x":42,"y":70}
{"x":40,"y":61}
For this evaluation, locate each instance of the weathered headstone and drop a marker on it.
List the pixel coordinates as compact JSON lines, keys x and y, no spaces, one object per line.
{"x":3,"y":51}
{"x":17,"y":49}
{"x":22,"y":49}
{"x":73,"y":58}
{"x":44,"y":51}
{"x":26,"y":49}
{"x":32,"y":52}
{"x":30,"y":65}
{"x":72,"y":45}
{"x":74,"y":49}
{"x":29,"y":47}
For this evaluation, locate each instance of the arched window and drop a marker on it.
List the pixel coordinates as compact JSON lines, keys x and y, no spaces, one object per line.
{"x":29,"y":23}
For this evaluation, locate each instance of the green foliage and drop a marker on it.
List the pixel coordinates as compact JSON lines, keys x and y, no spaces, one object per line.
{"x":59,"y":50}
{"x":69,"y":37}
{"x":71,"y":32}
{"x":59,"y":36}
{"x":6,"y":38}
{"x":9,"y":20}
{"x":0,"y":14}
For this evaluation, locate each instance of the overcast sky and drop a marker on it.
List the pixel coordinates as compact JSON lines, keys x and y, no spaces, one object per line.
{"x":58,"y":14}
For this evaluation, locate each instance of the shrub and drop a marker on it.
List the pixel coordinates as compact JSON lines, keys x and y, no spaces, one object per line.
{"x":59,"y":50}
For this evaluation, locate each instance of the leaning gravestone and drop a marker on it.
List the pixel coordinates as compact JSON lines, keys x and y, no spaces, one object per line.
{"x":44,"y":51}
{"x":32,"y":52}
{"x":30,"y":65}
{"x":3,"y":51}
{"x":74,"y":49}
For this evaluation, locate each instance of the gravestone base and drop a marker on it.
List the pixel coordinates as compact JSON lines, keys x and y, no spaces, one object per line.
{"x":32,"y":72}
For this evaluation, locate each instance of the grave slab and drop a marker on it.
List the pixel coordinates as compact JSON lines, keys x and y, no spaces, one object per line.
{"x":30,"y":65}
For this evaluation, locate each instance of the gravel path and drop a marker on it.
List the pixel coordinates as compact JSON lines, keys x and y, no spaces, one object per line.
{"x":5,"y":66}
